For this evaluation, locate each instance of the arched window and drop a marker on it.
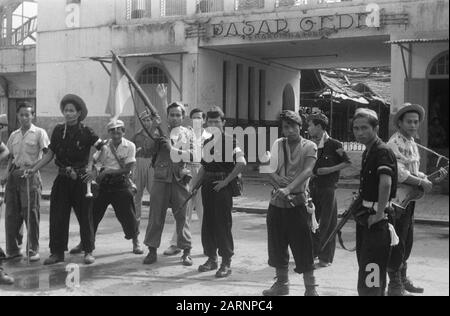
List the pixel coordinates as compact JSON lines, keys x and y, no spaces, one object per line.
{"x":439,"y":66}
{"x":151,"y":78}
{"x":153,"y":75}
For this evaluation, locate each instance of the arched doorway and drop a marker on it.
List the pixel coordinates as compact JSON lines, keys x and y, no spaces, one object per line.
{"x":288,"y":98}
{"x":438,"y":97}
{"x":149,"y":78}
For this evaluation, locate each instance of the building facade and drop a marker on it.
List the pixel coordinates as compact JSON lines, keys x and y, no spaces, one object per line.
{"x":243,"y":55}
{"x":18,"y":26}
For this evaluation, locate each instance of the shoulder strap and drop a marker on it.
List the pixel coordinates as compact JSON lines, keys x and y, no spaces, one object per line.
{"x":285,"y":153}
{"x":114,"y":152}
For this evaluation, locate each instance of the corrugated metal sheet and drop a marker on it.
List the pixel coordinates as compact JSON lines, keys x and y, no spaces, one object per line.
{"x":419,"y":40}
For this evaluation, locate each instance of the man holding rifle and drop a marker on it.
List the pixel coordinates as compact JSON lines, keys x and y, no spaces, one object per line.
{"x":199,"y":135}
{"x":223,"y":160}
{"x":377,"y":188}
{"x":170,"y":185}
{"x":407,"y":120}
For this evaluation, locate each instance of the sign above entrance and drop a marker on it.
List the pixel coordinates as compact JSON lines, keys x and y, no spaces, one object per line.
{"x":300,"y":27}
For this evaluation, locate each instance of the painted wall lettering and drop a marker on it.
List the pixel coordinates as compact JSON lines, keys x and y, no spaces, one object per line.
{"x":302,"y":26}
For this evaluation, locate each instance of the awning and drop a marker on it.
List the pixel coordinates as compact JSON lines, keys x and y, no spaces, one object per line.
{"x":136,"y":55}
{"x":419,"y":40}
{"x":158,"y":55}
{"x":409,"y":47}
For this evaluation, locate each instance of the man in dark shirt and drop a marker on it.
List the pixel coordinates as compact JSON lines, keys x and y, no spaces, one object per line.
{"x":377,"y":188}
{"x":331,"y":159}
{"x":222,"y":162}
{"x":70,"y":145}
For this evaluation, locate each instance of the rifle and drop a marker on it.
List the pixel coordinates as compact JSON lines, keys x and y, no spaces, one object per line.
{"x":350,"y":212}
{"x":141,"y":94}
{"x":408,"y":193}
{"x":193,"y":193}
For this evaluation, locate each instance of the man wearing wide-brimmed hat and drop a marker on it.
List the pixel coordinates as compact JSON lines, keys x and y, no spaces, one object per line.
{"x":70,"y":145}
{"x":4,"y":153}
{"x":407,"y":121}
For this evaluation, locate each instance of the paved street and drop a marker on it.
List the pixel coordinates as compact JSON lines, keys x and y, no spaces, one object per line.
{"x":118,"y":272}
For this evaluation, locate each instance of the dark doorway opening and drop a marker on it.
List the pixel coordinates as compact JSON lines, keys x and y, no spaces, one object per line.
{"x":438,"y":124}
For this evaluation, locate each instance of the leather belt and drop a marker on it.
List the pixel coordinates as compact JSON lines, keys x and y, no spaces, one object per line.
{"x":373,"y":205}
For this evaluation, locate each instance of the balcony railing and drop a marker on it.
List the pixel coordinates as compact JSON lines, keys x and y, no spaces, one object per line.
{"x":173,"y":7}
{"x":138,"y":9}
{"x":249,"y":4}
{"x":206,"y":6}
{"x":20,"y":35}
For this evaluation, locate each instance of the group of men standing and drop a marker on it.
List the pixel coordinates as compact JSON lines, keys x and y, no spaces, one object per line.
{"x":93,"y":174}
{"x":305,"y":169}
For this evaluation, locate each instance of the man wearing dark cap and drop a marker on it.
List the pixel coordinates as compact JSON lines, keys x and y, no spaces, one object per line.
{"x":378,"y":187}
{"x":407,"y":120}
{"x":287,"y":218}
{"x":115,"y":162}
{"x":70,"y":145}
{"x":331,"y":159}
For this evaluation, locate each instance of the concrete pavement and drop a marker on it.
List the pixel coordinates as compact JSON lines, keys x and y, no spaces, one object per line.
{"x":119,"y":272}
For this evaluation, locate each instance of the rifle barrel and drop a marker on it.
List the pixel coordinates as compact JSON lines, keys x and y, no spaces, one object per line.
{"x":138,"y":88}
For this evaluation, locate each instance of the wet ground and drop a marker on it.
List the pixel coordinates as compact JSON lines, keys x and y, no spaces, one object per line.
{"x":119,"y":272}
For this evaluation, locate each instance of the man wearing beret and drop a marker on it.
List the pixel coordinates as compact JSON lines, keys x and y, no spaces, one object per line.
{"x":287,"y":217}
{"x":407,"y":120}
{"x":331,"y":159}
{"x":115,"y":161}
{"x":70,"y":145}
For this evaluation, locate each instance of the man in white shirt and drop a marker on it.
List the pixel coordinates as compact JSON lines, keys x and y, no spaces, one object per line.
{"x":26,"y":146}
{"x":407,"y":121}
{"x":116,"y":160}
